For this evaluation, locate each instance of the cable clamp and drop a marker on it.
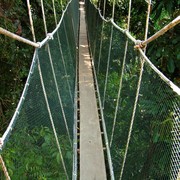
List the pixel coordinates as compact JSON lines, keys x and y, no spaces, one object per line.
{"x":40,"y":44}
{"x":139,"y":44}
{"x":50,"y":35}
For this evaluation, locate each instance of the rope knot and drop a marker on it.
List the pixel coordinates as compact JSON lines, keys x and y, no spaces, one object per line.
{"x":139,"y":44}
{"x":40,"y":44}
{"x":50,"y":35}
{"x":126,"y":31}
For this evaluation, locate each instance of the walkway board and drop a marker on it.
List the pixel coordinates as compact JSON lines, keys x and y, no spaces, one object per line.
{"x":92,"y":165}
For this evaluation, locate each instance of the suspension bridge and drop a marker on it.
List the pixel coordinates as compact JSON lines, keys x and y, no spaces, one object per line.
{"x":93,"y":106}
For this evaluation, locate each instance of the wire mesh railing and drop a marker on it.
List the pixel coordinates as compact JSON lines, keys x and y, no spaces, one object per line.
{"x":39,"y":141}
{"x":139,"y":106}
{"x":142,"y":126}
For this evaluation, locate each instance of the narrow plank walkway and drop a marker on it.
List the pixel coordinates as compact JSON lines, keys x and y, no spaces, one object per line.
{"x":92,"y":165}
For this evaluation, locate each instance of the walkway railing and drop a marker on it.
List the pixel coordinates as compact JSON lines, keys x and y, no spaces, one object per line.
{"x":139,"y":105}
{"x":39,"y":140}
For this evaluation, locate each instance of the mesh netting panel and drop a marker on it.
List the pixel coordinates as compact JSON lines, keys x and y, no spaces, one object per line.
{"x":32,"y":151}
{"x":74,"y":11}
{"x":154,"y":146}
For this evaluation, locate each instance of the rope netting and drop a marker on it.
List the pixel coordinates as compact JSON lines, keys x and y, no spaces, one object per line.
{"x":39,"y":141}
{"x":140,"y":107}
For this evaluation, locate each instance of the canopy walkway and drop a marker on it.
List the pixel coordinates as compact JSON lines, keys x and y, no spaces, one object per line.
{"x":92,"y":165}
{"x":93,"y":106}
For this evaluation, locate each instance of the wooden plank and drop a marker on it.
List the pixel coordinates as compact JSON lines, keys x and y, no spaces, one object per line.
{"x":92,"y":165}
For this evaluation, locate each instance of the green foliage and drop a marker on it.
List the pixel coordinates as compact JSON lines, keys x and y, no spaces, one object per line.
{"x":16,"y":57}
{"x":151,"y":142}
{"x":33,"y":154}
{"x":163,"y":52}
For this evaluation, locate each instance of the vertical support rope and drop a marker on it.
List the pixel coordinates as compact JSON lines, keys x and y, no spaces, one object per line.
{"x":113,"y":9}
{"x":119,"y":93}
{"x":31,"y":20}
{"x":121,"y":77}
{"x":107,"y":69}
{"x":137,"y":94}
{"x":64,"y":66}
{"x":4,"y":168}
{"x":102,"y":29}
{"x":132,"y":119}
{"x":54,"y":76}
{"x":54,"y":10}
{"x":100,"y":48}
{"x":95,"y":41}
{"x":51,"y":119}
{"x":62,"y":56}
{"x":59,"y":96}
{"x":44,"y":18}
{"x":109,"y":55}
{"x":129,"y":14}
{"x":147,"y":23}
{"x":104,"y":8}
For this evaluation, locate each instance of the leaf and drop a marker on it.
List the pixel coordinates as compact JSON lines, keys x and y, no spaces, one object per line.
{"x":27,"y":166}
{"x":58,"y":158}
{"x":171,"y":66}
